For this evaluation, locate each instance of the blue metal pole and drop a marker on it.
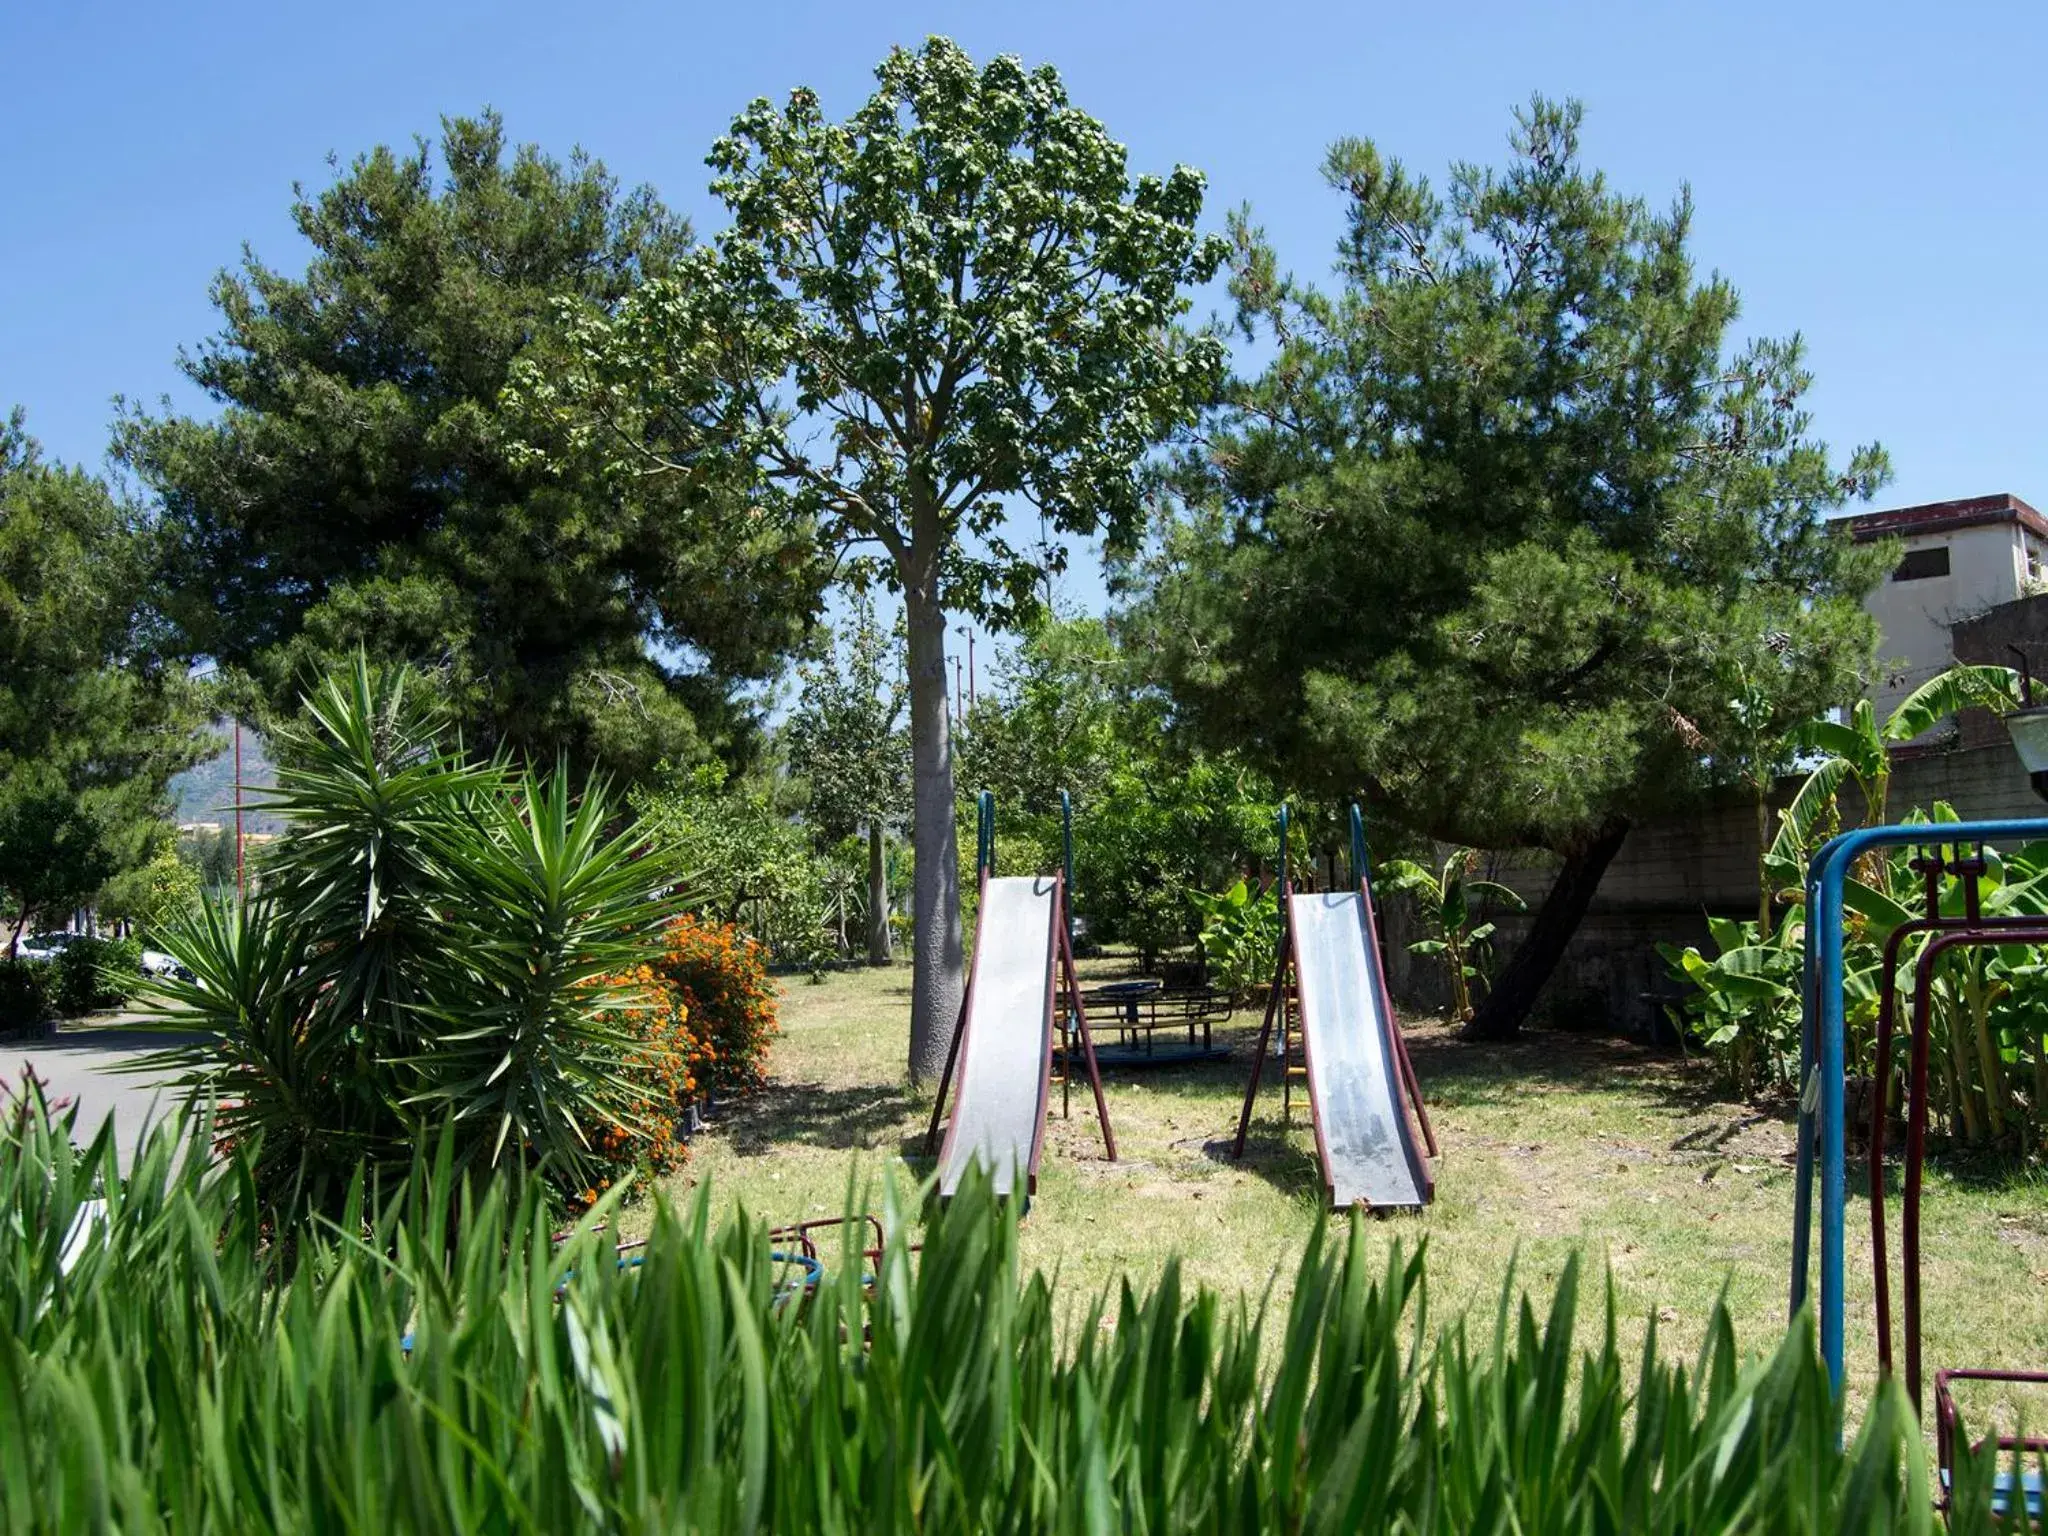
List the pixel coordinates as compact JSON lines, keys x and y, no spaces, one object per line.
{"x":1825,"y":880}
{"x":1359,"y":852}
{"x":985,"y":833}
{"x":1280,"y":885}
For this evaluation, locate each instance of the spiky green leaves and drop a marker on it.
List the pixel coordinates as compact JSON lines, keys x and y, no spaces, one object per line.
{"x":432,"y":939}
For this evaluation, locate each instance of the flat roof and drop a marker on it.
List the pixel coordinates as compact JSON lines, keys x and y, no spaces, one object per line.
{"x":1947,"y":517}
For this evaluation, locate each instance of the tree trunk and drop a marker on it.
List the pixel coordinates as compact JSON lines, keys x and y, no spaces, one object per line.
{"x":878,"y":897}
{"x":1513,"y":995}
{"x":935,"y":982}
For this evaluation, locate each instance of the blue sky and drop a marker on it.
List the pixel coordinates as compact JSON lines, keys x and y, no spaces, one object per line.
{"x":1874,"y":175}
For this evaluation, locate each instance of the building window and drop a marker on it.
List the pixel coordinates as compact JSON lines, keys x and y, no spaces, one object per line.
{"x":1920,"y":564}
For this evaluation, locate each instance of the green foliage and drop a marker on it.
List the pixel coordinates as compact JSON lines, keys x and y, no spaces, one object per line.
{"x":1858,"y":747}
{"x":93,"y":974}
{"x":355,"y":488}
{"x":1155,"y":820}
{"x":846,"y":742}
{"x":956,"y":300}
{"x":845,"y":738}
{"x":1240,"y":937}
{"x":156,"y":894}
{"x":1743,"y":1005}
{"x":961,"y":283}
{"x":211,"y":857}
{"x":1498,"y":532}
{"x":749,"y":861}
{"x":96,"y":711}
{"x":27,"y":993}
{"x":432,"y":937}
{"x":1507,"y":475}
{"x":1446,"y":897}
{"x":1988,"y":1034}
{"x":164,"y":1376}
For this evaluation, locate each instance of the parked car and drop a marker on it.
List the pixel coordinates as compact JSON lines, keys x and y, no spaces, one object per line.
{"x":156,"y":963}
{"x":43,"y":946}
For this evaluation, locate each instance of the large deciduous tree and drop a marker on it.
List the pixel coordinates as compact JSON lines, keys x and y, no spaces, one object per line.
{"x":96,"y":711}
{"x":955,"y":299}
{"x":846,"y":742}
{"x":356,"y":488}
{"x":1492,"y":536}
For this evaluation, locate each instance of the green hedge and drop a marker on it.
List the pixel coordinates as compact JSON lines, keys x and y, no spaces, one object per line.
{"x":28,"y":992}
{"x":171,"y":1380}
{"x":93,"y":974}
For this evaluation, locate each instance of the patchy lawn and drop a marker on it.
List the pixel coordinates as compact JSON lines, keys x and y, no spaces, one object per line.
{"x":1556,"y":1144}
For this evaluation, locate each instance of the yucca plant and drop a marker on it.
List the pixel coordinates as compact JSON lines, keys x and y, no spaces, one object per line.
{"x":431,"y":939}
{"x":161,"y":1373}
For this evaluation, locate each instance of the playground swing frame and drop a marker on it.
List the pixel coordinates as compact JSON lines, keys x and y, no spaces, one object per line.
{"x":1282,"y":1003}
{"x":1822,"y":1111}
{"x":1066,"y":980}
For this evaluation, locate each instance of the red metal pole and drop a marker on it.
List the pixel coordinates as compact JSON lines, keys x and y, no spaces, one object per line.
{"x":1251,"y":1092}
{"x":1087,"y":1035}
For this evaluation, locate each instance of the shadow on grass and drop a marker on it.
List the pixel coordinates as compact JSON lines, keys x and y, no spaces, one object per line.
{"x":811,"y":1115}
{"x":1457,"y":1072}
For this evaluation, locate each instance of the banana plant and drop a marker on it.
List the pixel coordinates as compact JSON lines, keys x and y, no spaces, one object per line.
{"x":1446,"y":896}
{"x":1858,"y":748}
{"x":1240,"y":929}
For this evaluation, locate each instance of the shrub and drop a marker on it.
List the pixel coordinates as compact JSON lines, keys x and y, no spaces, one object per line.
{"x":1240,"y":937}
{"x":663,"y":1068}
{"x":97,"y":973}
{"x":162,"y":1376}
{"x":430,"y":937}
{"x":27,"y":993}
{"x":717,"y":979}
{"x":750,"y":863}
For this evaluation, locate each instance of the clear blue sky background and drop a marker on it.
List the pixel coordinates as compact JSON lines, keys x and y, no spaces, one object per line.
{"x":1872,"y":174}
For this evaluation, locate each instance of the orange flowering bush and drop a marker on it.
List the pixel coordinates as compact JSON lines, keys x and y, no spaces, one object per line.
{"x":700,"y":1016}
{"x":717,"y":977}
{"x":663,"y":1067}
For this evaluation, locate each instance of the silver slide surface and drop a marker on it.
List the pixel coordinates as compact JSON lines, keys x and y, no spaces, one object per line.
{"x":999,"y":1085}
{"x":1354,"y":1084}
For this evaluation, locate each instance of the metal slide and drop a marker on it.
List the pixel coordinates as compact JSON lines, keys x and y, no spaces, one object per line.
{"x":1006,"y":1046}
{"x":1354,"y":1084}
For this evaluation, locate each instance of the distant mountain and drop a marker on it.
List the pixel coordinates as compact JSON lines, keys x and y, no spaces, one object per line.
{"x":207,"y":792}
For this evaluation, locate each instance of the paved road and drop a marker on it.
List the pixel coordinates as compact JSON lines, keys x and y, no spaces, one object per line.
{"x":85,"y":1064}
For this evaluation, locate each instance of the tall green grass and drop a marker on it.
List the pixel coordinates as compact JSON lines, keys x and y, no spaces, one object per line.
{"x":168,"y":1375}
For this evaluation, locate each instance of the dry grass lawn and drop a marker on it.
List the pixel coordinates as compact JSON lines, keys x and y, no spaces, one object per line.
{"x":1555,"y":1145}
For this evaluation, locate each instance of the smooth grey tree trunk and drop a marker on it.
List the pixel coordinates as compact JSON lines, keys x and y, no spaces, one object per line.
{"x":878,"y":897}
{"x":935,"y":982}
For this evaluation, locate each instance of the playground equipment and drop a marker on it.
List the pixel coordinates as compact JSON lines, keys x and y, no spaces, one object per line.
{"x":1005,"y":1040}
{"x":1351,"y":1045}
{"x":1942,"y":850}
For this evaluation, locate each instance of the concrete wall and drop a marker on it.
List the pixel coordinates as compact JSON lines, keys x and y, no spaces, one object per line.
{"x":1670,"y":875}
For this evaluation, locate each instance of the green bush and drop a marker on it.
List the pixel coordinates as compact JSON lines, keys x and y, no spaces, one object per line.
{"x":167,"y":1377}
{"x":430,"y":936}
{"x":1988,"y":1078}
{"x":748,"y":863}
{"x":97,"y":973}
{"x":1240,"y":938}
{"x":28,"y":993}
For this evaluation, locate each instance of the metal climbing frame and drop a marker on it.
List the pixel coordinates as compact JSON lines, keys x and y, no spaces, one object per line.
{"x":1942,"y":850}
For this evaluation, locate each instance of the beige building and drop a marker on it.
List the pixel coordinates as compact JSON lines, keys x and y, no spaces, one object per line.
{"x":1961,"y":558}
